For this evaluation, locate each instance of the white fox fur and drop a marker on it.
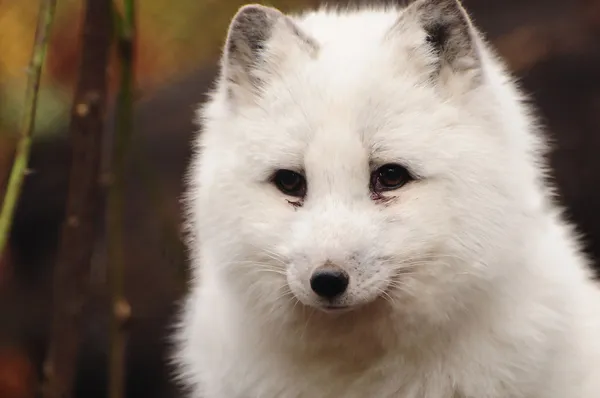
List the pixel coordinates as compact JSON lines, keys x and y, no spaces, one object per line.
{"x":464,"y":283}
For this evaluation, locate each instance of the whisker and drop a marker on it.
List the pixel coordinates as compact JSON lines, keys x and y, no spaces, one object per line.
{"x":386,"y":296}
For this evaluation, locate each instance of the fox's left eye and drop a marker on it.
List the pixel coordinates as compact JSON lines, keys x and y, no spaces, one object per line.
{"x":389,"y":177}
{"x":290,"y":183}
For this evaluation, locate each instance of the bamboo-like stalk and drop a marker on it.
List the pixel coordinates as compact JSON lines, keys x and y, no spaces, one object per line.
{"x":19,"y":168}
{"x":79,"y":230}
{"x":121,"y":310}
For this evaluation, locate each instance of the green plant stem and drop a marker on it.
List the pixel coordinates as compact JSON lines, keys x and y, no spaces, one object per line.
{"x":121,"y":311}
{"x":19,"y":169}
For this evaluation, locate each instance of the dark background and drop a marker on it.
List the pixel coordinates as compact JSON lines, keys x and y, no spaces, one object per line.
{"x":553,"y":46}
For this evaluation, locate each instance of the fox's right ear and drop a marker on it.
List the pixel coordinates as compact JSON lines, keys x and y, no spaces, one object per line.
{"x":448,"y":35}
{"x":259,"y":41}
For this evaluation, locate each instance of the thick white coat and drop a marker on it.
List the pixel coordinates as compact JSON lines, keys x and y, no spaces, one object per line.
{"x":473,"y":286}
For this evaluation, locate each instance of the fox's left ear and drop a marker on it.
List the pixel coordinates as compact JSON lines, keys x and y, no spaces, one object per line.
{"x":260,"y":40}
{"x":448,"y":36}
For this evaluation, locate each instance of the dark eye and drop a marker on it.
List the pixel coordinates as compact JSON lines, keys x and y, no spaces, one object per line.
{"x":389,"y":177}
{"x":290,"y":183}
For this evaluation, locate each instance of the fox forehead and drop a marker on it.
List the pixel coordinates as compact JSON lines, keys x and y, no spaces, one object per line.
{"x":370,"y":126}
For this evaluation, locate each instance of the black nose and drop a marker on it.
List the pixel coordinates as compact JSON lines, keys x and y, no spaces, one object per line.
{"x":329,"y":283}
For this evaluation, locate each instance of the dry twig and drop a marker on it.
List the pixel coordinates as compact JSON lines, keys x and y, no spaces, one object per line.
{"x":121,"y":310}
{"x":83,"y":203}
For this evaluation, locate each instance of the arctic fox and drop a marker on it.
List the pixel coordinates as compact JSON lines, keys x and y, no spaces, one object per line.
{"x":370,"y":218}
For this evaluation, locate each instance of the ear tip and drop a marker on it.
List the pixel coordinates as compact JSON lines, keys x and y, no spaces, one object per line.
{"x":252,"y":18}
{"x":254,"y":9}
{"x":250,"y":8}
{"x":445,"y":5}
{"x":251,"y":23}
{"x":444,"y":12}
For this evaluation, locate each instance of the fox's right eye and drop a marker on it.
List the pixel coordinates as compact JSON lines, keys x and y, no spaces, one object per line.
{"x":290,"y":183}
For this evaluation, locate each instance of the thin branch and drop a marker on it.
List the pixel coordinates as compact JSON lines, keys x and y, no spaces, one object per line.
{"x":79,"y":230}
{"x":121,"y":310}
{"x":19,"y":169}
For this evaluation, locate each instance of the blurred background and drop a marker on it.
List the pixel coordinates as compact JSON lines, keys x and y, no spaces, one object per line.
{"x":553,"y":46}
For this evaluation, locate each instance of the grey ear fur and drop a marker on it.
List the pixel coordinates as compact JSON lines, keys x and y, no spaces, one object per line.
{"x":246,"y":57}
{"x":449,"y":32}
